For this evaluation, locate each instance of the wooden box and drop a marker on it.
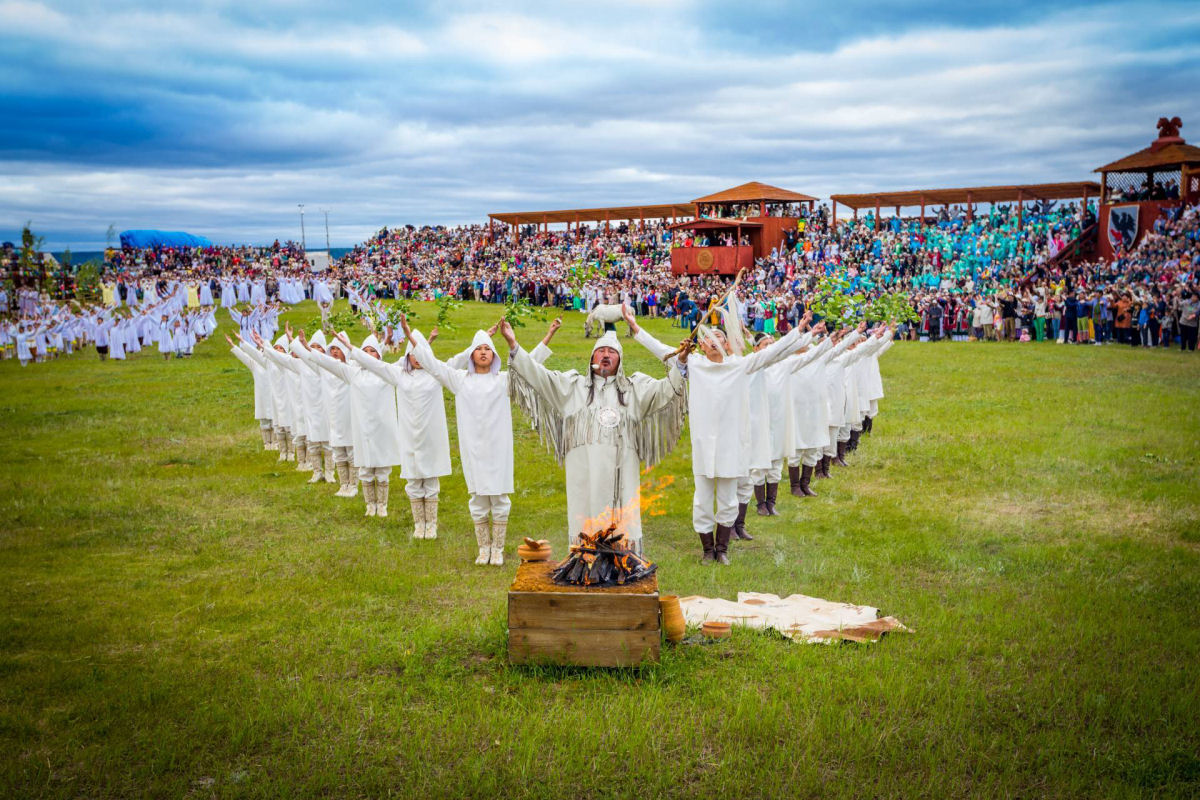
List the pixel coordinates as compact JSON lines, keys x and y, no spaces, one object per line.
{"x":577,"y":626}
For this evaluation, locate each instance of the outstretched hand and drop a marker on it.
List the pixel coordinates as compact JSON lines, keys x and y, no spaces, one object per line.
{"x":492,"y":330}
{"x":627,"y":313}
{"x":343,"y":338}
{"x":507,"y":332}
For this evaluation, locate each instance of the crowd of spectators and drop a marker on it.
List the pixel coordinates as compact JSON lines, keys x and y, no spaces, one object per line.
{"x":979,"y":276}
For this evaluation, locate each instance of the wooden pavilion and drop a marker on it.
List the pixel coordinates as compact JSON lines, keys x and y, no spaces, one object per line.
{"x":968,"y":197}
{"x":1131,"y":201}
{"x":577,"y":216}
{"x":756,"y":217}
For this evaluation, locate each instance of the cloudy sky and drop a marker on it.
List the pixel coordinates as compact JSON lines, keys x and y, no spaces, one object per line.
{"x":219,"y":118}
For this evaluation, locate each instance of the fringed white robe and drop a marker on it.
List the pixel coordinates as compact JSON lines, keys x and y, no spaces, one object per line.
{"x":598,"y":440}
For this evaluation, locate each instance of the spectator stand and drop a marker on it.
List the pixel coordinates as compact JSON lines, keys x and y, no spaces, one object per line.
{"x":755,"y":218}
{"x":1137,"y":188}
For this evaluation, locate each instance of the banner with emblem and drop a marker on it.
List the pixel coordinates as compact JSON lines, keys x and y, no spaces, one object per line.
{"x":1123,"y":227}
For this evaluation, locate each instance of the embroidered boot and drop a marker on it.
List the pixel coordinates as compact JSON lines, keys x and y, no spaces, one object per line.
{"x":343,"y":473}
{"x":330,"y":467}
{"x":483,"y":538}
{"x":431,"y":504}
{"x":418,"y":514}
{"x":381,"y":498}
{"x":499,"y":530}
{"x":369,"y":497}
{"x":266,"y":437}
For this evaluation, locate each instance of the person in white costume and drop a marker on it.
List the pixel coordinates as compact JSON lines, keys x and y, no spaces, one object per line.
{"x":773,"y":384}
{"x":720,"y":427}
{"x":320,"y":452}
{"x":600,"y":427}
{"x":376,"y":426}
{"x":339,"y":406}
{"x":290,"y":368}
{"x":263,"y":411}
{"x":424,"y":436}
{"x":485,"y":440}
{"x":808,"y":414}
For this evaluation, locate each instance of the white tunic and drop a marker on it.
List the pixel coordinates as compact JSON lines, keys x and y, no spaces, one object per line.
{"x":424,"y":435}
{"x":376,"y":428}
{"x":257,"y":365}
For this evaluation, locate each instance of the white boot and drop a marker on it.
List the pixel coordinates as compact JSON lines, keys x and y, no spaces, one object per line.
{"x":431,"y":504}
{"x":302,"y":454}
{"x":483,"y":538}
{"x":369,"y":496}
{"x":266,"y":437}
{"x":285,"y":446}
{"x":343,"y":473}
{"x":330,"y":467}
{"x":499,"y":529}
{"x":418,"y":512}
{"x":315,"y":463}
{"x":381,"y":498}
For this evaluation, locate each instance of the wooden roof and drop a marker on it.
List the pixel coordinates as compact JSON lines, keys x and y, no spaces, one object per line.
{"x":612,"y":213}
{"x":974,"y":194}
{"x":702,"y":223}
{"x":754,"y":192}
{"x":1171,"y":155}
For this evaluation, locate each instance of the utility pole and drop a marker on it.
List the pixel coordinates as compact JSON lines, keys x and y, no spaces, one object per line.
{"x":303,"y":243}
{"x":326,"y":213}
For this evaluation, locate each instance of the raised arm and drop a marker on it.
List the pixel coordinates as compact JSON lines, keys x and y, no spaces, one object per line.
{"x":789,"y":342}
{"x":241,"y":356}
{"x":328,"y":363}
{"x":389,"y":372}
{"x":814,"y":353}
{"x":446,"y":376}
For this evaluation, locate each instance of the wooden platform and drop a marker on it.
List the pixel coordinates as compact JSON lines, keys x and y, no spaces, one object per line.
{"x":577,"y":626}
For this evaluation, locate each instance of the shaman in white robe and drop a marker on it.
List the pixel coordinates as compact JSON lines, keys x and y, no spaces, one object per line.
{"x":600,"y":429}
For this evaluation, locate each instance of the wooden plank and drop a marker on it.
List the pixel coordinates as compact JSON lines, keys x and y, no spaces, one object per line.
{"x":583,"y":611}
{"x":582,"y":648}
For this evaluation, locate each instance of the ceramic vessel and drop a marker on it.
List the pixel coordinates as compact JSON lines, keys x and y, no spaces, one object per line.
{"x":532,"y":550}
{"x":673,"y":622}
{"x":715,"y":630}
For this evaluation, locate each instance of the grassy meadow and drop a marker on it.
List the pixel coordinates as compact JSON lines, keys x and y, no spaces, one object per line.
{"x":183,"y":617}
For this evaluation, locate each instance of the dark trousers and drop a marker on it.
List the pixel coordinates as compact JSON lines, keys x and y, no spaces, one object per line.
{"x":1187,"y":337}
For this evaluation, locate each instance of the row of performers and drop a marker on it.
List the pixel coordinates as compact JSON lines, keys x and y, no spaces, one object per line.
{"x":60,"y":329}
{"x":799,"y":401}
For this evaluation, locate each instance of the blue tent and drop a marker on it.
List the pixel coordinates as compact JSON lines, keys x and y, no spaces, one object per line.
{"x":149,"y":238}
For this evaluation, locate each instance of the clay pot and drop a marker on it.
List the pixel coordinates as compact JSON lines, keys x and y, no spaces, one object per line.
{"x":531,"y":550}
{"x":673,"y":623}
{"x":716,"y":630}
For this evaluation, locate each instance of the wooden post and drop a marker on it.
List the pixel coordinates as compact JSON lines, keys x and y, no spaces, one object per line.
{"x":970,"y":209}
{"x":922,"y":211}
{"x":1020,"y":207}
{"x":762,"y":208}
{"x":876,"y":213}
{"x":833,"y":219}
{"x":856,"y":213}
{"x":490,"y":221}
{"x":641,"y":220}
{"x":1103,"y":188}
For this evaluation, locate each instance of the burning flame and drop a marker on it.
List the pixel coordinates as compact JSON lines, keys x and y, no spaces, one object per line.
{"x":647,"y":503}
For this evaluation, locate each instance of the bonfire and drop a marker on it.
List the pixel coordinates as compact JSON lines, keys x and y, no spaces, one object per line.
{"x":602,"y":559}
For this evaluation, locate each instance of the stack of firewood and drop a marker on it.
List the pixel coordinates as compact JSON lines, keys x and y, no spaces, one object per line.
{"x":602,"y":559}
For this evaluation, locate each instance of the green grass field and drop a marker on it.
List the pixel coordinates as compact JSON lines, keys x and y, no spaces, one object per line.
{"x":182,"y":617}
